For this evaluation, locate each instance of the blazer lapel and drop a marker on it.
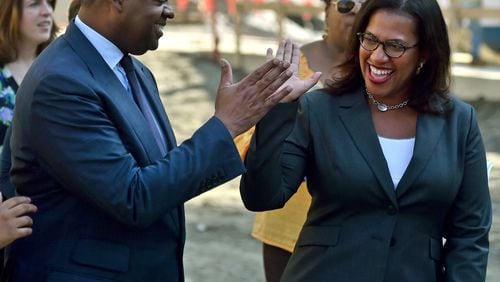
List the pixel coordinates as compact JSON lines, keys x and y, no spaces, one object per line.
{"x":356,"y":117}
{"x":157,"y":107}
{"x":429,"y":130}
{"x":112,"y":87}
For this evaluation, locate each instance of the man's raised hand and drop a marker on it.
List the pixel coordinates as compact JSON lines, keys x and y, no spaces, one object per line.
{"x":241,"y":105}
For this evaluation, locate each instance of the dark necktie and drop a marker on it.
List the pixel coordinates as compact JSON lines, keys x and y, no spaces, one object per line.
{"x":142,"y":102}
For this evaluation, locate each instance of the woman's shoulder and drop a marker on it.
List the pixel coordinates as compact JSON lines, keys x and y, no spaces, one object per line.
{"x":460,"y":107}
{"x":459,"y":110}
{"x":311,"y":53}
{"x":327,"y":93}
{"x":310,"y":48}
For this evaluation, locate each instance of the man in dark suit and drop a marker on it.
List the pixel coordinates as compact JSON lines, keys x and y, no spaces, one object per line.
{"x":93,"y":148}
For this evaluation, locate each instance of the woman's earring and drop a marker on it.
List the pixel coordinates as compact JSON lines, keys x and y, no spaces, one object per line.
{"x":420,"y":66}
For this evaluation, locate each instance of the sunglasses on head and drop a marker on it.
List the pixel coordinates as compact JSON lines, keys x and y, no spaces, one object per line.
{"x":345,"y":6}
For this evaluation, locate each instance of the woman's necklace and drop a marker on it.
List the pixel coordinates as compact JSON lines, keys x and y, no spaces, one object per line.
{"x":383,"y":107}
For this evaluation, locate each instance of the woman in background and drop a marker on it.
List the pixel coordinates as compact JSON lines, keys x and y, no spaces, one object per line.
{"x":279,"y":229}
{"x":26,"y":28}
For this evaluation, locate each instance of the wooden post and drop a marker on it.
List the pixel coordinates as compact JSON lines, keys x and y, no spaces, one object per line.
{"x":454,"y":24}
{"x":239,"y":10}
{"x":281,"y":16}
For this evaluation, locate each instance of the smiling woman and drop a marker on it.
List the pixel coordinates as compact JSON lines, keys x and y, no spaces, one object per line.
{"x":394,"y":163}
{"x":26,"y":28}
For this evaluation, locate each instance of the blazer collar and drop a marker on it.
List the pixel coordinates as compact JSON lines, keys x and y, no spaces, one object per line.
{"x":111,"y":86}
{"x":429,"y":130}
{"x":356,"y":117}
{"x":156,"y":105}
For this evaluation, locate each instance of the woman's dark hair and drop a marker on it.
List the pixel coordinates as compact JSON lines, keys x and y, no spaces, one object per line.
{"x":430,"y":91}
{"x":10,"y":33}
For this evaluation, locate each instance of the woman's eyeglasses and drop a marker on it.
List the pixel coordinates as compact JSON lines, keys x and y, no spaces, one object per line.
{"x":392,"y":48}
{"x":345,"y":6}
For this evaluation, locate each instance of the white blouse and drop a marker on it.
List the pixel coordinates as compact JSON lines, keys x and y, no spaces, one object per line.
{"x":397,"y":153}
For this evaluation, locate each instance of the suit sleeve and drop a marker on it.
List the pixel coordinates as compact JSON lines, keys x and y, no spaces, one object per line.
{"x":276,"y":158}
{"x":79,"y":145}
{"x":469,"y":221}
{"x":6,"y":187}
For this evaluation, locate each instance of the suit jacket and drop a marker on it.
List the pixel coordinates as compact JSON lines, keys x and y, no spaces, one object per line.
{"x":110,"y":206}
{"x":359,"y":228}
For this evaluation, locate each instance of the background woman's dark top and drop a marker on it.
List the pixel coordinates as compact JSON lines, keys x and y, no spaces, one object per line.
{"x":8,"y":89}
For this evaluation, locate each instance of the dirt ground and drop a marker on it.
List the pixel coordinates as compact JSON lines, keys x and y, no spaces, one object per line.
{"x":219,"y":246}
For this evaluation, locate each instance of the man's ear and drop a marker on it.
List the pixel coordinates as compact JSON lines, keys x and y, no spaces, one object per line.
{"x":118,"y":4}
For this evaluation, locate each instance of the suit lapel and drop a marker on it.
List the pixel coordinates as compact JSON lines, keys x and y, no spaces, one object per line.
{"x":356,"y":117}
{"x":429,"y":130}
{"x":157,"y":107}
{"x":107,"y":80}
{"x":112,"y":87}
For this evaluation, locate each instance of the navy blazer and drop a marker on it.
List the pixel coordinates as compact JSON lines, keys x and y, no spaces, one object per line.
{"x":359,"y":228}
{"x":110,"y":206}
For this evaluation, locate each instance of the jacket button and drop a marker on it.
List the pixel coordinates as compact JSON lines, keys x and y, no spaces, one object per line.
{"x":391,"y":210}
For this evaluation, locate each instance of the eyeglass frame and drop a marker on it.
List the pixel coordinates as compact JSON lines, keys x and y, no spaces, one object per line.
{"x":352,"y":8}
{"x":361,"y":36}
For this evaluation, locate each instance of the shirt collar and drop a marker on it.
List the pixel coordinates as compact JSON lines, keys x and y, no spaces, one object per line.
{"x":108,"y":51}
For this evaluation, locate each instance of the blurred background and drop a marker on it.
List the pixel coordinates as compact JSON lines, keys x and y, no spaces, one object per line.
{"x":219,"y":246}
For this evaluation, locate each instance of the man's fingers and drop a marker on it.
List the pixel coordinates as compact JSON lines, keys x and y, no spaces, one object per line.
{"x":272,"y":82}
{"x":278,"y":82}
{"x":272,"y":76}
{"x":226,"y":74}
{"x":260,"y":72}
{"x":278,"y":96}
